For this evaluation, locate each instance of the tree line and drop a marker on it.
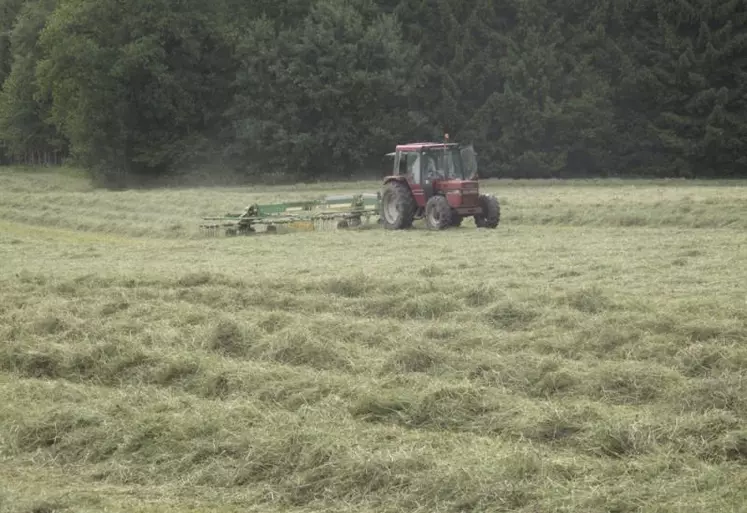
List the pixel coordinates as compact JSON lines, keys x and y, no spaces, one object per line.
{"x":322,"y":88}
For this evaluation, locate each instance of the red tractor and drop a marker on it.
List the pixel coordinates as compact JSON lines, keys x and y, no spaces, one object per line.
{"x":438,"y":182}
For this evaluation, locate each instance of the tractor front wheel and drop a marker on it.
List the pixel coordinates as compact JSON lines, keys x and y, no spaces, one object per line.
{"x":397,"y":206}
{"x":491,"y":212}
{"x":438,"y":213}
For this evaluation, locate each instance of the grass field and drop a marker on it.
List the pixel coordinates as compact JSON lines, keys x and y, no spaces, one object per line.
{"x":588,"y":355}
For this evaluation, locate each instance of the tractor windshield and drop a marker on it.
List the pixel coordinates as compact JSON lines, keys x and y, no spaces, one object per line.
{"x":444,"y":164}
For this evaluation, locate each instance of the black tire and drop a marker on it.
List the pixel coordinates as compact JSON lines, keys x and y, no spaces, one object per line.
{"x":438,"y":213}
{"x":397,"y":206}
{"x":491,"y":212}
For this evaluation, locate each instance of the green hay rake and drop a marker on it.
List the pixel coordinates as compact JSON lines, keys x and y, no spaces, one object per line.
{"x":330,"y":212}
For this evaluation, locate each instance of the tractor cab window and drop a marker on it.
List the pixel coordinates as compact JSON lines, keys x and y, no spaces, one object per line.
{"x":443,"y":164}
{"x":403,"y":168}
{"x":469,"y":160}
{"x":413,"y":166}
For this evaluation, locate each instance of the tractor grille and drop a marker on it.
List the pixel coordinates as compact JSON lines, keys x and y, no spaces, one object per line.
{"x":469,"y":200}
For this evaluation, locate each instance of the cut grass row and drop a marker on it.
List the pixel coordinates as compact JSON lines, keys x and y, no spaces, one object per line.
{"x":573,"y":365}
{"x":177,"y":213}
{"x":319,"y":457}
{"x":579,"y":348}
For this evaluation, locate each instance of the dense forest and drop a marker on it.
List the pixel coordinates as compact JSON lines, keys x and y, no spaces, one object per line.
{"x":318,"y":88}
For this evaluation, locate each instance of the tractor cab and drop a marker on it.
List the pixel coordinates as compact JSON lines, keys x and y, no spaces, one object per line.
{"x":426,"y":162}
{"x":437,"y":181}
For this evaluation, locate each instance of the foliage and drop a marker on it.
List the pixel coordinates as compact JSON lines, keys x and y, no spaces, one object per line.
{"x":325,"y":94}
{"x":322,"y":89}
{"x":24,"y":109}
{"x":137,"y":86}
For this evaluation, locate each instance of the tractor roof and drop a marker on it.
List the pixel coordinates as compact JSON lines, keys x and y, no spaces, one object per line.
{"x":422,"y":145}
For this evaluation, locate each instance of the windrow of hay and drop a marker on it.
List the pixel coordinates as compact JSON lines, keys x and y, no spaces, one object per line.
{"x":586,"y":356}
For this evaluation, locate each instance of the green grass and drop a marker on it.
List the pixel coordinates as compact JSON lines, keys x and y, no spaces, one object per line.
{"x":588,"y":355}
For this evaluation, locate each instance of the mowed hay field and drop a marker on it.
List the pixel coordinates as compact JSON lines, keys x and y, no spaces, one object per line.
{"x":588,"y":355}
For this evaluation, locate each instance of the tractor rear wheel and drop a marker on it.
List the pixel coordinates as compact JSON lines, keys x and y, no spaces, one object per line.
{"x":438,"y":213}
{"x":397,"y":206}
{"x":491,"y":212}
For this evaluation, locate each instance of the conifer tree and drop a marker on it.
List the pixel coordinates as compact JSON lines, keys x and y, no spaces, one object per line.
{"x":701,"y":85}
{"x":324,"y":96}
